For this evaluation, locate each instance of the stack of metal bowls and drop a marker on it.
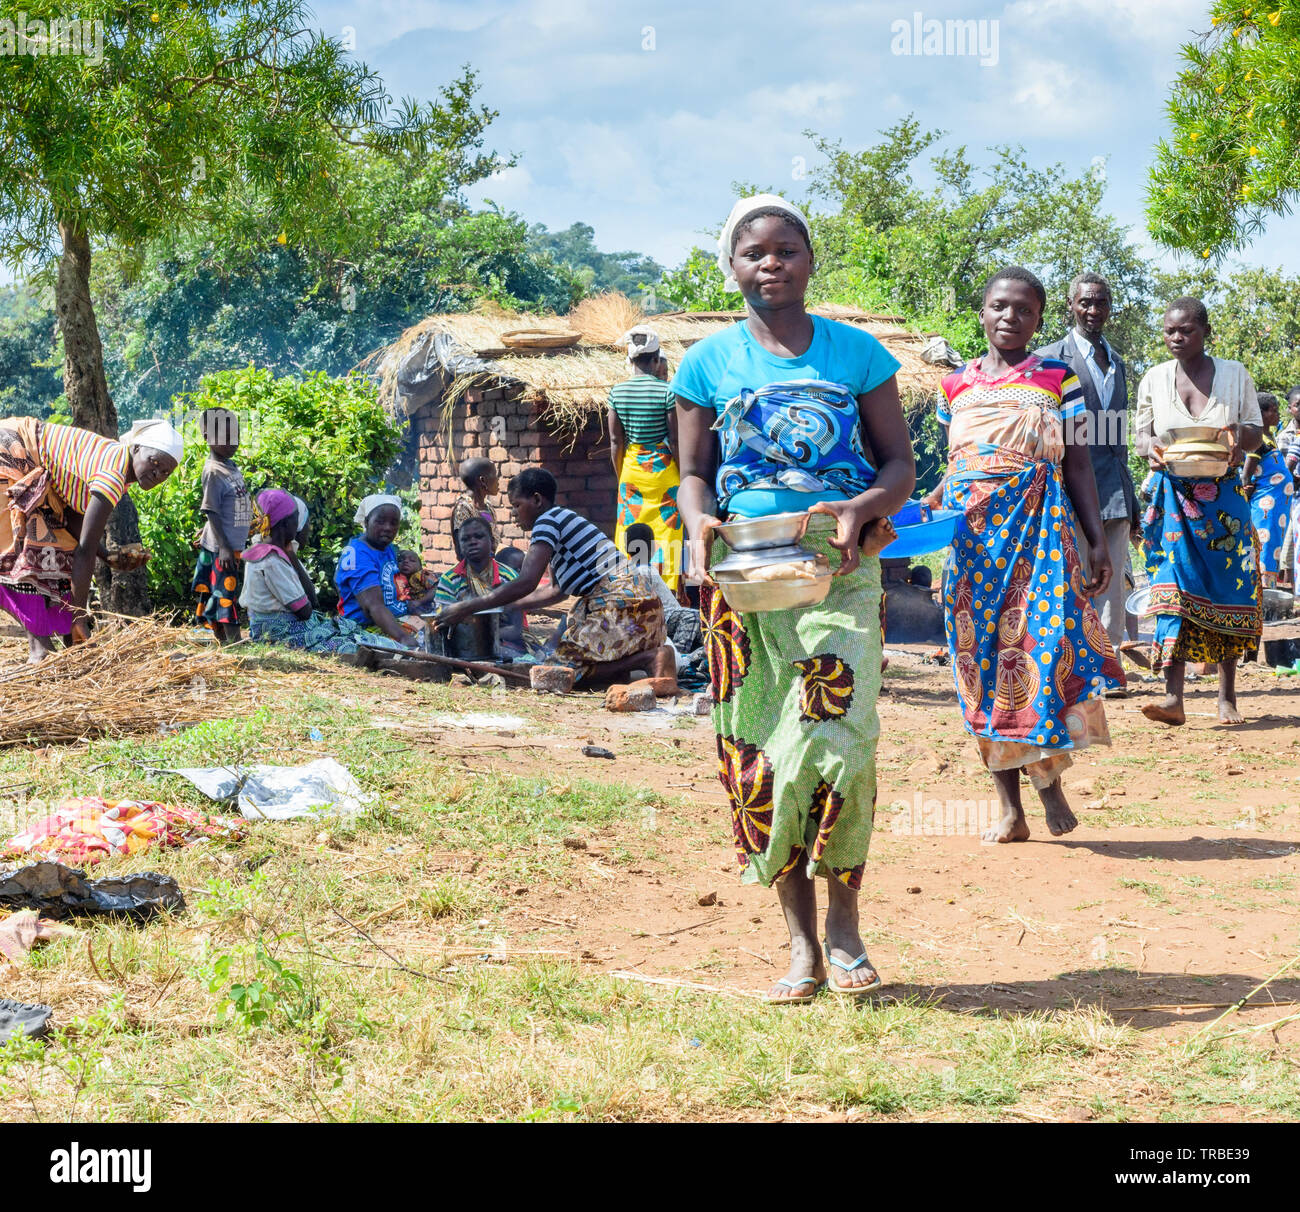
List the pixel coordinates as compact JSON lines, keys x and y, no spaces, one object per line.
{"x":758,"y":543}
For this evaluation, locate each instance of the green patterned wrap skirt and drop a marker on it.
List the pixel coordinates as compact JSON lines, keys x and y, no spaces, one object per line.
{"x":795,"y":712}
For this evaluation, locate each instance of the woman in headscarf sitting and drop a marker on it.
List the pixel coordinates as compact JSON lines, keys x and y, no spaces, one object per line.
{"x":367,"y":571}
{"x":479,"y":573}
{"x":278,"y":594}
{"x":58,"y":486}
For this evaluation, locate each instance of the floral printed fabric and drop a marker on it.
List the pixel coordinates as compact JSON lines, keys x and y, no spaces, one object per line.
{"x":1203,"y":567}
{"x":88,"y":829}
{"x":795,"y":714}
{"x":1270,"y":510}
{"x":1030,"y":657}
{"x":647,"y":492}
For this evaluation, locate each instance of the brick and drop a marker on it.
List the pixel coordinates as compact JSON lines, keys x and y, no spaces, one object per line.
{"x":494,"y":393}
{"x":551,"y":679}
{"x":664,"y":688}
{"x":497,"y":454}
{"x":440,"y":513}
{"x":475,"y":424}
{"x":637,"y":697}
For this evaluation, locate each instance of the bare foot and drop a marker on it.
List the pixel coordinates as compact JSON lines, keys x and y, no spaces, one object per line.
{"x":1228,"y":713}
{"x":1168,"y":711}
{"x":1011,"y":828}
{"x":38,"y":648}
{"x":1059,"y":817}
{"x":807,"y":973}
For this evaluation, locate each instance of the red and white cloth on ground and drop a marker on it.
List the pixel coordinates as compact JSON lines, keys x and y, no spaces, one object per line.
{"x":90,"y":828}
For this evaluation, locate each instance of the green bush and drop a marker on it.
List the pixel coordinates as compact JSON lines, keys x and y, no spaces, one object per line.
{"x":327,"y":440}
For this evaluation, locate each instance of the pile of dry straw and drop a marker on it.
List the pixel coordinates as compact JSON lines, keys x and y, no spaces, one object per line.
{"x":132,"y":676}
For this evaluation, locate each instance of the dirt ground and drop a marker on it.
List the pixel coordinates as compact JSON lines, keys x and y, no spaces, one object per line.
{"x":1174,"y":897}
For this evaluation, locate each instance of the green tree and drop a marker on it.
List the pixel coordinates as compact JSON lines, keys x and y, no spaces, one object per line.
{"x":1232,"y":159}
{"x":697,"y":285}
{"x":30,"y":385}
{"x":327,"y":440}
{"x":928,"y":252}
{"x":197,"y":111}
{"x":189,"y":307}
{"x":629,"y":273}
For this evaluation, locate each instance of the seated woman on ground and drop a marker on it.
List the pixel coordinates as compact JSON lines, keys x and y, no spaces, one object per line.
{"x":479,"y":573}
{"x":367,"y":571}
{"x":617,"y":625}
{"x":278,"y":594}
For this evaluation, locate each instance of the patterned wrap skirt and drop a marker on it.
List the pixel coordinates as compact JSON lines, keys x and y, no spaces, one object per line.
{"x":1270,"y":513}
{"x":620,"y":618}
{"x":36,"y":547}
{"x":1030,"y":657}
{"x":795,"y":714}
{"x":216,"y":592}
{"x":320,"y":633}
{"x":647,"y":492}
{"x":1203,"y":566}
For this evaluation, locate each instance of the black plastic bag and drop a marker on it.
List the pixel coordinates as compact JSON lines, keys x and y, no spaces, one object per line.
{"x":59,"y":891}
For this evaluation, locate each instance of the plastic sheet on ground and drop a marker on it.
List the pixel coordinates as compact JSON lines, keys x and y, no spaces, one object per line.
{"x":281,"y":793}
{"x":58,"y":891}
{"x":19,"y":1018}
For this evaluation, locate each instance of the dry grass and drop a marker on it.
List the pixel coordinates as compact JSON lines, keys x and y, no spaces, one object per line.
{"x":603,"y":319}
{"x":132,"y":676}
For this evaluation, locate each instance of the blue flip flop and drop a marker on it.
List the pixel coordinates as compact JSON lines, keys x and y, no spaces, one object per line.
{"x":793,"y":985}
{"x":853,"y":990}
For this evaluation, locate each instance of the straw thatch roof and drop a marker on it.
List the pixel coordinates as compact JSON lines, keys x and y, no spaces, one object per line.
{"x":572,"y":383}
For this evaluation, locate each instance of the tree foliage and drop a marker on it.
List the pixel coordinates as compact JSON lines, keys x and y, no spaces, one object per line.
{"x":31,"y":380}
{"x":1232,"y":158}
{"x":629,"y":273}
{"x":327,"y":440}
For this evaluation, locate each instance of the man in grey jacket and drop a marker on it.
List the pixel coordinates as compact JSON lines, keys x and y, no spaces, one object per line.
{"x":1104,"y":380}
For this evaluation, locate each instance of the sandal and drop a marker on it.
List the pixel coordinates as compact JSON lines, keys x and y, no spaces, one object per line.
{"x":850,"y":990}
{"x":793,"y":985}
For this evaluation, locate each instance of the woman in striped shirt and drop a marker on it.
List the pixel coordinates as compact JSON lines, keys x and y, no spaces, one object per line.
{"x":642,"y":429}
{"x":60,"y":484}
{"x":617,"y":625}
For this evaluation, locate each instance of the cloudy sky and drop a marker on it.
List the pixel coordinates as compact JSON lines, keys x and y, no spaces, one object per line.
{"x":636,"y":115}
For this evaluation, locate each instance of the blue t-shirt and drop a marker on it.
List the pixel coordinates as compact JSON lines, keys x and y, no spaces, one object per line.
{"x":362,"y":567}
{"x":716,"y":370}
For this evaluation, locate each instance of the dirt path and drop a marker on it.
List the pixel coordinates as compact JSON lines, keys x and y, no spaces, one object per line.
{"x":1176,"y":895}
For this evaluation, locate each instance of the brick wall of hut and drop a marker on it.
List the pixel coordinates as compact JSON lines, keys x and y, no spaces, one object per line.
{"x":495,"y":422}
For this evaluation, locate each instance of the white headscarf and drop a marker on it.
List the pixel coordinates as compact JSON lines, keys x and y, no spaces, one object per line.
{"x":156,"y":434}
{"x":302,"y":511}
{"x":647,"y":344}
{"x":375,"y":501}
{"x":739,"y":212}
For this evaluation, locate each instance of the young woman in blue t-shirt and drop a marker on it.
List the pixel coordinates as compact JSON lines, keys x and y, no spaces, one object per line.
{"x":787,"y":411}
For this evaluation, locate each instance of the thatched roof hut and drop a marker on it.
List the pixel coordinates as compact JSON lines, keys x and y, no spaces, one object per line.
{"x":492,"y":383}
{"x":448,"y":355}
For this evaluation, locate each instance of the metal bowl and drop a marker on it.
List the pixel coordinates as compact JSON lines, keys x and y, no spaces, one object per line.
{"x":763,"y":556}
{"x":1199,"y":469}
{"x":1193,"y":433}
{"x":777,"y":530}
{"x":757,"y":597}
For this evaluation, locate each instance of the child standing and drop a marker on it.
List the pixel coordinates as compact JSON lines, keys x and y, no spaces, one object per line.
{"x":227,"y":515}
